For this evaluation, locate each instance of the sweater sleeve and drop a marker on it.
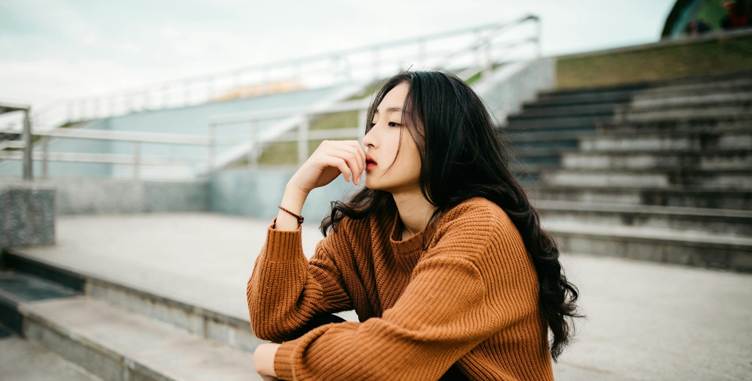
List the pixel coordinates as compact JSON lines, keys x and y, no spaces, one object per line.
{"x":286,"y":290}
{"x":444,"y":312}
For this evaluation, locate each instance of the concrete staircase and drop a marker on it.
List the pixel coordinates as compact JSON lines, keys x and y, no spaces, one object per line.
{"x":655,"y":171}
{"x":117,"y":332}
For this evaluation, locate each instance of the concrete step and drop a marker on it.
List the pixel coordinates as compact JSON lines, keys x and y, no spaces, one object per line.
{"x":540,"y":155}
{"x":739,"y":84}
{"x":552,"y":142}
{"x":558,"y":122}
{"x":580,"y":99}
{"x":667,"y":140}
{"x":556,"y":111}
{"x":637,"y":196}
{"x":666,"y":178}
{"x":649,"y":159}
{"x":719,"y":123}
{"x":25,"y":360}
{"x":596,"y":90}
{"x":730,"y":222}
{"x":116,"y":343}
{"x":690,"y":248}
{"x":704,"y":99}
{"x":515,"y":128}
{"x":198,"y":320}
{"x":682,"y":113}
{"x":714,"y":81}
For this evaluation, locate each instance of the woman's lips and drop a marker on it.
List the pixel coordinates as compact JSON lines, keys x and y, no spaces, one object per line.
{"x":370,"y":164}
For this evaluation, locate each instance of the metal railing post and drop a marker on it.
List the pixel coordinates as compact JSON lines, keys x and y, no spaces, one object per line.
{"x":362,"y":116}
{"x":28,"y":170}
{"x":538,"y":31}
{"x":212,"y":148}
{"x":303,"y":139}
{"x":254,"y":146}
{"x":137,"y":160}
{"x":45,"y":156}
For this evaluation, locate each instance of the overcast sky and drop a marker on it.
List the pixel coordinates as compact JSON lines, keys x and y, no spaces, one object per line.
{"x":53,"y":50}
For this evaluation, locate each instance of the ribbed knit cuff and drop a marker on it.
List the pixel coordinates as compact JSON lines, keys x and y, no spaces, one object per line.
{"x":283,"y":245}
{"x":283,"y":360}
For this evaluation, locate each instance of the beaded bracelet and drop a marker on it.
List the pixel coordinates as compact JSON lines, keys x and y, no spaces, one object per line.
{"x":299,"y":218}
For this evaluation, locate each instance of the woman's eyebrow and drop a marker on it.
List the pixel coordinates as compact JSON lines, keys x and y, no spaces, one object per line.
{"x":389,"y":109}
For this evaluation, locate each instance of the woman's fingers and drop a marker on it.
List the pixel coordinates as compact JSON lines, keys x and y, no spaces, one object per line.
{"x":339,"y":163}
{"x":350,"y":155}
{"x":360,"y":151}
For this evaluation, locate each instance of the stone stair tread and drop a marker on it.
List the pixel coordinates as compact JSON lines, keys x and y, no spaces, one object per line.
{"x":640,"y":100}
{"x":155,"y":345}
{"x":662,"y":152}
{"x":545,"y":135}
{"x":695,"y":237}
{"x":644,"y":209}
{"x":732,"y":79}
{"x":689,"y":119}
{"x":652,"y":132}
{"x":646,"y":188}
{"x":651,"y":171}
{"x":24,"y":360}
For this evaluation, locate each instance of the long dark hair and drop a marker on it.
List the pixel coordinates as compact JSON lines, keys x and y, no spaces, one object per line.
{"x":463,"y":156}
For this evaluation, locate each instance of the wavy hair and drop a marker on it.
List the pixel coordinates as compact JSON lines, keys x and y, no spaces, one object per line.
{"x":462,"y":156}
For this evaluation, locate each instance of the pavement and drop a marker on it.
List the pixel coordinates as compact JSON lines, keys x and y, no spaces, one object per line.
{"x":645,"y":320}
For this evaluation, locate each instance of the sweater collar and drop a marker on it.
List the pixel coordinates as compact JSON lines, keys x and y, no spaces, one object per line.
{"x":411,"y":245}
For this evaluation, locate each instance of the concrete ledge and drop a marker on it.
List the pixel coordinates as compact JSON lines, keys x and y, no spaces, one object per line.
{"x":89,"y":195}
{"x":127,"y":346}
{"x":194,"y":319}
{"x":27,"y":214}
{"x":665,"y":60}
{"x":691,"y":250}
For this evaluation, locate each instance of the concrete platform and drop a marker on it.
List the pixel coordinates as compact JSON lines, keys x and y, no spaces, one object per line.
{"x":645,"y":320}
{"x":24,"y":360}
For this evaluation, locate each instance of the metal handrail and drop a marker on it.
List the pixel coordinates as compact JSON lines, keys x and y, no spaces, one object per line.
{"x":303,"y":115}
{"x":135,"y":159}
{"x":339,"y":66}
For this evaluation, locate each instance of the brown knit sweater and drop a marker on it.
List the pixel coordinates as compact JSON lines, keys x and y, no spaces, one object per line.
{"x":469,"y":302}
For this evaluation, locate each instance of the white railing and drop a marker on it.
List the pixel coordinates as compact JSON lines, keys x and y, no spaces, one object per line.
{"x":476,"y":46}
{"x":136,"y":159}
{"x":302,"y":134}
{"x":479,"y":54}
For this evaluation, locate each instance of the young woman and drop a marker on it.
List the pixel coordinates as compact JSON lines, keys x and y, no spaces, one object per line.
{"x":440,"y":254}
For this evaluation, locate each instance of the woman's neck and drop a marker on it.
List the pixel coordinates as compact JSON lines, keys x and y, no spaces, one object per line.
{"x":414,"y":211}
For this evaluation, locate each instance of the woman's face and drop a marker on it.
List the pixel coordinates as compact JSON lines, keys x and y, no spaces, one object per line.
{"x":382,"y":141}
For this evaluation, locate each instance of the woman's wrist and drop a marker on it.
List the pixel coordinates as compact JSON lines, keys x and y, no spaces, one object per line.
{"x":264,"y":358}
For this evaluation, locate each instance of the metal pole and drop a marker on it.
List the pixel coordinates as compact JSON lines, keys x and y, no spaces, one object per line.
{"x":538,"y":37}
{"x":255,"y":146}
{"x":303,"y":139}
{"x":136,"y":160}
{"x":375,"y":62}
{"x":362,"y":115}
{"x":211,"y":148}
{"x":27,"y":161}
{"x":45,"y":156}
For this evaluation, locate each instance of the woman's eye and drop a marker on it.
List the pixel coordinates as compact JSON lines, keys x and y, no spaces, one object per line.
{"x":390,"y":123}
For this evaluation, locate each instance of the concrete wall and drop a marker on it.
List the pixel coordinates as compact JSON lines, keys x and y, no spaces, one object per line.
{"x":253,"y":192}
{"x":716,"y":53}
{"x":257,"y":192}
{"x":509,"y":87}
{"x":82,"y":195}
{"x":27,"y":214}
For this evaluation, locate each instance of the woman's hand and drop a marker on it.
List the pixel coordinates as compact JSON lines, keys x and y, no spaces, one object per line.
{"x":263,"y":357}
{"x":331,"y":158}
